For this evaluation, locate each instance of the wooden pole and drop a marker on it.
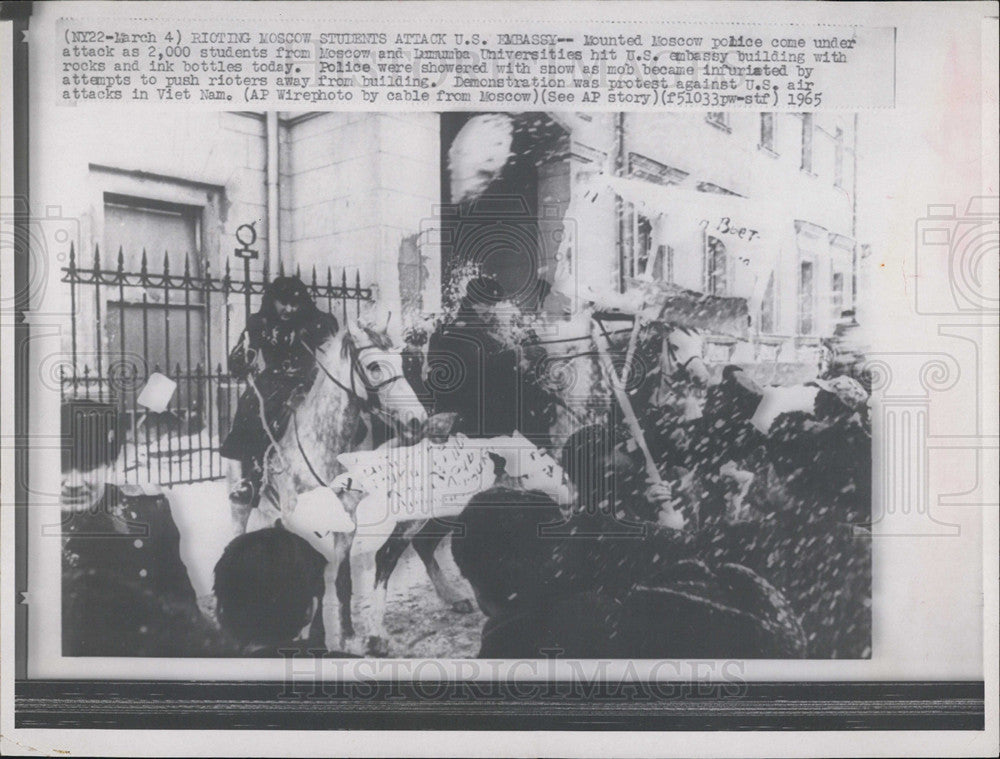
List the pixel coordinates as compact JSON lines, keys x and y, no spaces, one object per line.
{"x":669,"y":516}
{"x":618,"y":388}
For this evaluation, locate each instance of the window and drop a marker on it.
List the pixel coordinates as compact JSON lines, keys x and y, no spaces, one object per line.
{"x":837,"y":295}
{"x":641,"y":167}
{"x":165,"y":326}
{"x":768,"y":309}
{"x":639,"y":231}
{"x":718,"y":119}
{"x":137,"y":224}
{"x":807,"y":298}
{"x":717,"y":261}
{"x":807,"y":142}
{"x":767,"y":132}
{"x":838,"y":158}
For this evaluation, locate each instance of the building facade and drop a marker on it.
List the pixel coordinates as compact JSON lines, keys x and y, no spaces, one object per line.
{"x":753,"y":205}
{"x":363,"y":193}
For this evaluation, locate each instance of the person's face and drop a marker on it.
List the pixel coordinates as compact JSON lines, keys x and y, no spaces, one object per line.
{"x":482,"y":310}
{"x":82,"y":490}
{"x":285,"y":310}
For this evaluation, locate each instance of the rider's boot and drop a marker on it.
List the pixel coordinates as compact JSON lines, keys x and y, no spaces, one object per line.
{"x":242,"y":493}
{"x":246,"y":492}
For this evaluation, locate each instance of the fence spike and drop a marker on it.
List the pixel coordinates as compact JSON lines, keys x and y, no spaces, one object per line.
{"x":97,"y":258}
{"x":144,"y":265}
{"x":187,"y":267}
{"x":329,"y":277}
{"x":357,"y":293}
{"x":314,"y":276}
{"x":121,"y":260}
{"x":166,"y":263}
{"x":72,"y":257}
{"x":298,"y":271}
{"x":218,"y":368}
{"x":281,"y":267}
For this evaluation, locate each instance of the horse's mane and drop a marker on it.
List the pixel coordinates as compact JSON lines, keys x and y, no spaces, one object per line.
{"x":380,"y":340}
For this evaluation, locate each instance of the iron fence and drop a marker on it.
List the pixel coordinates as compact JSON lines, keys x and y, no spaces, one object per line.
{"x":126,"y":326}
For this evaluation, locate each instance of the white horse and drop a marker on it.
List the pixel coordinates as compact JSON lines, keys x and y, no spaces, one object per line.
{"x":400,"y":495}
{"x":359,"y":373}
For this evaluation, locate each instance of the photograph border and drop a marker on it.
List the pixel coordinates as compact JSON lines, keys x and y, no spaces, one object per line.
{"x":433,"y":705}
{"x":498,"y":705}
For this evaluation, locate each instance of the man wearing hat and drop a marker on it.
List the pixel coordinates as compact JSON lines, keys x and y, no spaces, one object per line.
{"x":470,"y":373}
{"x":126,"y":591}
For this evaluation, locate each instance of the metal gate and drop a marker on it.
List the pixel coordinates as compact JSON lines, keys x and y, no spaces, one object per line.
{"x":126,"y":326}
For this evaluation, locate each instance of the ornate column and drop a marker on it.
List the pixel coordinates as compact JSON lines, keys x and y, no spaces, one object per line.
{"x":902,"y":384}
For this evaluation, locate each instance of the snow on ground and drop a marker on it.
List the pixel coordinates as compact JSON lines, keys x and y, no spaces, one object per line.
{"x":418,"y":622}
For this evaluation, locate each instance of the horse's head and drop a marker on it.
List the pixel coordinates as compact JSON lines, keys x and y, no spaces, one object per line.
{"x":682,"y":355}
{"x":684,"y":372}
{"x":377,"y":373}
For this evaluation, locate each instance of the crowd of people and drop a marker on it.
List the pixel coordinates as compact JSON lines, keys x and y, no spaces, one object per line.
{"x":773,"y":559}
{"x":785,"y":574}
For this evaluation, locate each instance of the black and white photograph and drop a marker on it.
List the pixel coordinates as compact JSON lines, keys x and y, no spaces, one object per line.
{"x":611,"y":391}
{"x":432,"y":369}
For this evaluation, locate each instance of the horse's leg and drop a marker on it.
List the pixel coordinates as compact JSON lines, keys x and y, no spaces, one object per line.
{"x":331,"y":599}
{"x":425,"y":543}
{"x":240,"y":514}
{"x":344,"y":586}
{"x":386,"y":559}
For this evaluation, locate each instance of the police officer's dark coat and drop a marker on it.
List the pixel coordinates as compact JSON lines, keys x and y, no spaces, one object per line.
{"x":286,"y":352}
{"x":123,"y":553}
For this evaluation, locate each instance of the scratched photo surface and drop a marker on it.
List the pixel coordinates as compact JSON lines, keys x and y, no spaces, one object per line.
{"x":604,"y":374}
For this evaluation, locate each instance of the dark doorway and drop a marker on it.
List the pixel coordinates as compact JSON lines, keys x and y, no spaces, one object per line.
{"x":511,"y":228}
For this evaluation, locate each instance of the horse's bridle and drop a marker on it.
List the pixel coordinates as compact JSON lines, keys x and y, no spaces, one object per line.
{"x":677,"y":366}
{"x":370,"y":400}
{"x":369,"y":403}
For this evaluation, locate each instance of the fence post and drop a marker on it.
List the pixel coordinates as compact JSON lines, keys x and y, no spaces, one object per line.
{"x":203,"y":385}
{"x":246,"y":235}
{"x":121,"y":346}
{"x":98,"y":331}
{"x":72,"y":276}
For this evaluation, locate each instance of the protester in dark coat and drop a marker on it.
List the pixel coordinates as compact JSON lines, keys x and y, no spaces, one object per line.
{"x":809,"y":538}
{"x":470,"y":372}
{"x":548,"y":591}
{"x":269,"y":587}
{"x":121,"y":551}
{"x":537,"y":595}
{"x":277,"y":354}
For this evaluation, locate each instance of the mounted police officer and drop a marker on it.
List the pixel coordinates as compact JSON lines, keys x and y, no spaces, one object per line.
{"x":471,"y":374}
{"x":277,"y":354}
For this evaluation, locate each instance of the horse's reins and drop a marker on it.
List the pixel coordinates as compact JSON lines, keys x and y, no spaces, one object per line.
{"x":302,"y":451}
{"x":369,"y":404}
